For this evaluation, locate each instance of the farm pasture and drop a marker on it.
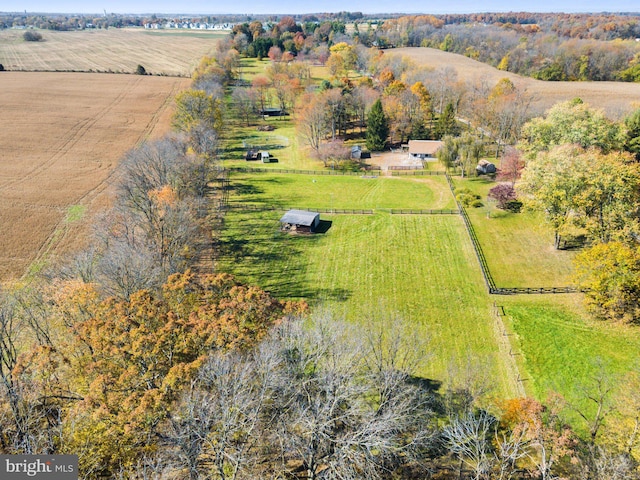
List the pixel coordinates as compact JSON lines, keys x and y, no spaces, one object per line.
{"x":518,"y":247}
{"x":369,"y":268}
{"x":161,"y":52}
{"x":617,"y":99}
{"x":328,"y":192}
{"x":62,"y":135}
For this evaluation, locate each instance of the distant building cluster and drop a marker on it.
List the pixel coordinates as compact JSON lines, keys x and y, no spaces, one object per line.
{"x":189,"y":25}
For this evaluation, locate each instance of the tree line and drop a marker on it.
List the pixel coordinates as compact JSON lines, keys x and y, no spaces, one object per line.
{"x":552,"y":48}
{"x":146,"y":369}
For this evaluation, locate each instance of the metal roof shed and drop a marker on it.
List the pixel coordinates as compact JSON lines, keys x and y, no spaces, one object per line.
{"x":300,"y":220}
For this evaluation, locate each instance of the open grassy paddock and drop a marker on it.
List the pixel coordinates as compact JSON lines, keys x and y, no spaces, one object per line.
{"x":518,"y":246}
{"x":341,"y":192}
{"x":371,"y":267}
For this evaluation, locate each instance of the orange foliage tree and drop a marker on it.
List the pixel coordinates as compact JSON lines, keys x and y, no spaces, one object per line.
{"x":127,"y":360}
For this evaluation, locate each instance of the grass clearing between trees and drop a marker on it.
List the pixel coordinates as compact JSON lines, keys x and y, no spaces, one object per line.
{"x":518,"y":246}
{"x":562,"y":350}
{"x":367,"y":268}
{"x":328,"y":192}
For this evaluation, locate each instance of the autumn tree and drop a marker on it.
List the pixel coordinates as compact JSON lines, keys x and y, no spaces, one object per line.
{"x":505,"y":112}
{"x":571,"y":122}
{"x":261,"y":85}
{"x":609,"y":274}
{"x":194,"y":106}
{"x":312,"y":120}
{"x":547,"y":439}
{"x":245,"y":103}
{"x":503,"y":194}
{"x":133,"y":358}
{"x":585,"y":189}
{"x":511,"y":166}
{"x":377,"y":127}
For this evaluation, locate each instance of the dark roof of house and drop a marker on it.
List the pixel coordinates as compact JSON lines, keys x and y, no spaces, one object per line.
{"x":299,"y":217}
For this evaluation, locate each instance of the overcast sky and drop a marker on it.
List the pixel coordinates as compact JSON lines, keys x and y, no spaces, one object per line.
{"x":301,"y":6}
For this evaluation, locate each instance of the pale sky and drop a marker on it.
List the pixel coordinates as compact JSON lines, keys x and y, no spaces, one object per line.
{"x":301,"y":6}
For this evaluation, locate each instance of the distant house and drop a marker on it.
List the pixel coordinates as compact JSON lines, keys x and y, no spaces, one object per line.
{"x":424,"y":149}
{"x":300,"y":221}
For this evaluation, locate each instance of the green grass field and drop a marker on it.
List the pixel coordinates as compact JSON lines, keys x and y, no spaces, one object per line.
{"x":328,"y":192}
{"x":518,"y":247}
{"x":562,"y":350}
{"x":368,"y":268}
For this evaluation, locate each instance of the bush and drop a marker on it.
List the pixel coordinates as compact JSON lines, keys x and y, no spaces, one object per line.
{"x":31,"y":36}
{"x":477,"y":203}
{"x":467,"y":198}
{"x":513,"y":206}
{"x":1,"y":67}
{"x":140,"y":70}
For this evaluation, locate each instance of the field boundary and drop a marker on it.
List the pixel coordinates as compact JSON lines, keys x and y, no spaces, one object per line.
{"x":484,"y":266}
{"x":507,"y":348}
{"x":301,"y":172}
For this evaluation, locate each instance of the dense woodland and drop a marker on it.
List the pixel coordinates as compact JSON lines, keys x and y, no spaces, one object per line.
{"x":129,"y":357}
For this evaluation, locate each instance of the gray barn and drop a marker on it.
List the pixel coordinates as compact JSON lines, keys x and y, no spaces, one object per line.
{"x":300,"y":221}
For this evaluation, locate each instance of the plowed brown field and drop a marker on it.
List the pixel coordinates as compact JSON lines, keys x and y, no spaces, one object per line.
{"x":61,"y":137}
{"x":167,"y":52}
{"x":617,"y":99}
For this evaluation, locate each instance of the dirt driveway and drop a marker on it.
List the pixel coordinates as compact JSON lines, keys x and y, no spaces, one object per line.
{"x":393,"y":158}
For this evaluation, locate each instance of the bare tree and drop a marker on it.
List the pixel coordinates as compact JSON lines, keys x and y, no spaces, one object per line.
{"x":470,"y":438}
{"x":330,"y":418}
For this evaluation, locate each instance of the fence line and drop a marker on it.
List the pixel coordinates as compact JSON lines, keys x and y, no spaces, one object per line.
{"x":405,"y":167}
{"x":534,"y":290}
{"x":505,"y":345}
{"x":303,"y":172}
{"x":264,"y":208}
{"x":405,"y":211}
{"x":484,"y":267}
{"x":402,"y":173}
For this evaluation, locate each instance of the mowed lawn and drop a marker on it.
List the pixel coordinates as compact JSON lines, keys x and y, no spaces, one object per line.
{"x":341,"y":192}
{"x":518,"y":246}
{"x":369,"y":268}
{"x":563,"y":350}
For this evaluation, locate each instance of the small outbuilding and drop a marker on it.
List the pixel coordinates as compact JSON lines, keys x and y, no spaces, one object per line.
{"x":485,"y":168}
{"x":300,"y":221}
{"x":424,"y":149}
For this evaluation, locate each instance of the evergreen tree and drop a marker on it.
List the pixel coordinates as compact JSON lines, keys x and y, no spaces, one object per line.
{"x":632,"y":137}
{"x":446,"y":124}
{"x":377,"y":128}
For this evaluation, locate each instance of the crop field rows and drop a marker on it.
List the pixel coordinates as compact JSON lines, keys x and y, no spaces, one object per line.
{"x":63,"y":134}
{"x":616,"y":98}
{"x":113,"y":50}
